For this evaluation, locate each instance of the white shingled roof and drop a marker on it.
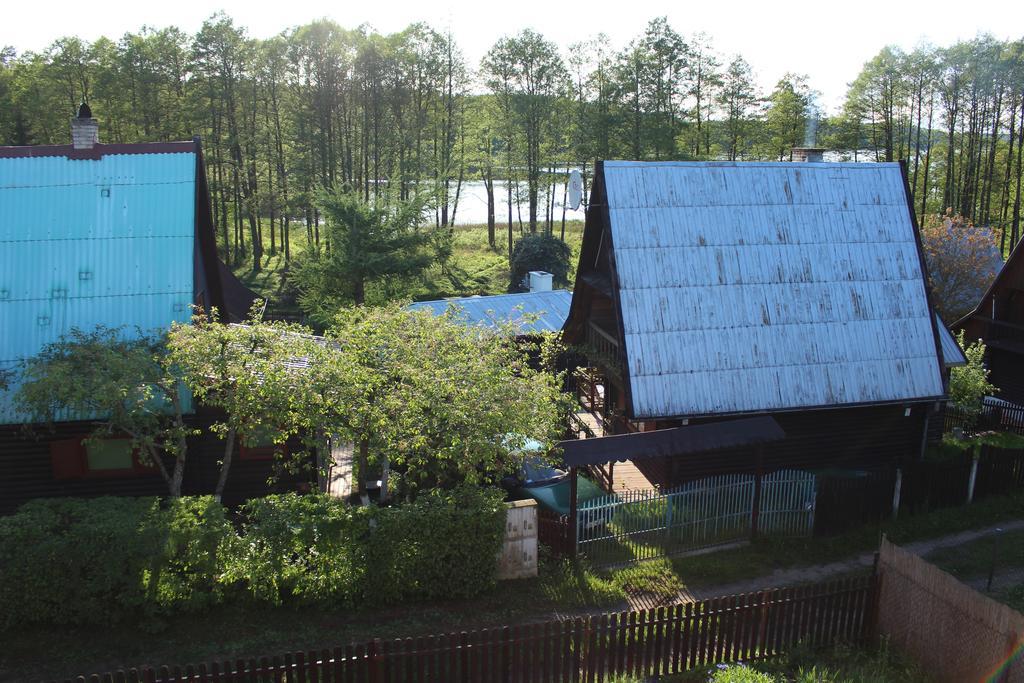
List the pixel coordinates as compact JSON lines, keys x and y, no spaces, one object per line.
{"x":759,"y":286}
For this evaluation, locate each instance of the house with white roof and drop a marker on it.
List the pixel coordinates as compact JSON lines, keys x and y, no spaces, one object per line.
{"x":710,"y":292}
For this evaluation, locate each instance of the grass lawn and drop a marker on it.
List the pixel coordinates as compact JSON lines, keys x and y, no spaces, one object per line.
{"x":562,"y":589}
{"x":765,"y":556}
{"x":840,"y":664}
{"x":971,"y":563}
{"x":474,"y":268}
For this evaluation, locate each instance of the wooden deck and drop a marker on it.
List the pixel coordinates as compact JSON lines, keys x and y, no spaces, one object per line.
{"x":625,"y":475}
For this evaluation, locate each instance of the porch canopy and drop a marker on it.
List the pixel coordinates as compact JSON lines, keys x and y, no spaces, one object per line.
{"x":671,"y":442}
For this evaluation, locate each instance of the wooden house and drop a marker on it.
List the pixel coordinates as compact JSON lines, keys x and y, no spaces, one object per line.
{"x":711,"y":292}
{"x":119,"y":235}
{"x":998,"y":320}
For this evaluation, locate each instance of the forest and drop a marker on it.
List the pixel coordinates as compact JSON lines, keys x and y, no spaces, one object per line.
{"x":393,"y":116}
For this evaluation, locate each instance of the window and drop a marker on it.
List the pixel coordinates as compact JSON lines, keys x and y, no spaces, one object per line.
{"x":80,"y":458}
{"x":258,"y":445}
{"x":108,"y":454}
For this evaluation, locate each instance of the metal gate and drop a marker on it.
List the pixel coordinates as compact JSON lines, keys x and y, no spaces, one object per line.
{"x":787,"y":504}
{"x":638,"y":525}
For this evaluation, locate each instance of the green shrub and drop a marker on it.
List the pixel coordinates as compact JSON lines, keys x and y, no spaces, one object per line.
{"x":444,"y":544}
{"x":104,"y":559}
{"x":317,"y":549}
{"x":196,"y":537}
{"x":77,"y":561}
{"x":740,"y":674}
{"x":539,"y":251}
{"x":305,"y":549}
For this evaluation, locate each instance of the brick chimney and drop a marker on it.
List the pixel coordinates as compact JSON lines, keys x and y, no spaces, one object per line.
{"x":85,"y":130}
{"x":809,"y":154}
{"x":540,"y":281}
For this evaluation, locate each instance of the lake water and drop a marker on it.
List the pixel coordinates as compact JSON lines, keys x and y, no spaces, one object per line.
{"x":473,"y":204}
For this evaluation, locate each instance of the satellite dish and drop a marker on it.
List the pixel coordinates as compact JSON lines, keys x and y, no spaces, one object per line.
{"x":575,"y":189}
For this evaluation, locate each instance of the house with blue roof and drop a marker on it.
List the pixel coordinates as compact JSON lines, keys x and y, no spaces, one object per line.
{"x":119,"y":235}
{"x":542,"y":309}
{"x":710,"y":292}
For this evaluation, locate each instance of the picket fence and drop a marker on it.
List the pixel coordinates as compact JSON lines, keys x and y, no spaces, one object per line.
{"x":652,"y":642}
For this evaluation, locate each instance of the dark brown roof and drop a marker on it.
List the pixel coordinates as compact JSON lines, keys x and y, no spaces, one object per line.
{"x":99,"y":150}
{"x":664,"y":443}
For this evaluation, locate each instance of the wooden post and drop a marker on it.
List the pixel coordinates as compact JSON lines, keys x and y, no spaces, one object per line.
{"x":373,"y":661}
{"x":869,"y":624}
{"x":573,"y":510}
{"x":755,"y":513}
{"x":896,"y":493}
{"x":973,"y":478}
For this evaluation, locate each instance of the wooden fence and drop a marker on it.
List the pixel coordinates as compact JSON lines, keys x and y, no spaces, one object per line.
{"x":999,"y":471}
{"x":553,"y":531}
{"x":954,"y":632}
{"x":851,"y":499}
{"x":653,"y":642}
{"x":932,"y":484}
{"x":996,"y":414}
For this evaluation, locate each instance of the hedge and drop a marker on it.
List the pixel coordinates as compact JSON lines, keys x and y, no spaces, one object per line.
{"x":317,"y":549}
{"x":76,"y":561}
{"x":102,"y":559}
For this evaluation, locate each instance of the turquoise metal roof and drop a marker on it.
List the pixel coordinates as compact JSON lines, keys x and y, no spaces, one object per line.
{"x":550,"y":308}
{"x":86,"y":242}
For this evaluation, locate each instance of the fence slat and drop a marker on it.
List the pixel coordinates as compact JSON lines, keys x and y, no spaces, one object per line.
{"x":651,"y":642}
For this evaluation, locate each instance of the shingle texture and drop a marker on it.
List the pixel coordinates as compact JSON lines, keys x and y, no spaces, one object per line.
{"x":758,"y":287}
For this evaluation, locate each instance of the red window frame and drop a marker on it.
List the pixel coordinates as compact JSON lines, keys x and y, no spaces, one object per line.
{"x":69,"y":460}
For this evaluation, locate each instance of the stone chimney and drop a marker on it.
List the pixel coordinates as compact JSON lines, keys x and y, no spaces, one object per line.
{"x":809,"y":154}
{"x":540,"y":281}
{"x":85,"y":130}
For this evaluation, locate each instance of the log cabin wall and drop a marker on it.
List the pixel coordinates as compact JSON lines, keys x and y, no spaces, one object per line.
{"x":27,"y":469}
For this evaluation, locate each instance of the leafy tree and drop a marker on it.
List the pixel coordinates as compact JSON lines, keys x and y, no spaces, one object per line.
{"x":424,"y":396}
{"x":539,"y":252}
{"x":738,"y":99}
{"x":526,"y":73}
{"x":787,"y":116}
{"x":703,"y":81}
{"x":365,"y":243}
{"x":962,"y":260}
{"x":126,"y":385}
{"x":248,"y":371}
{"x":968,"y":384}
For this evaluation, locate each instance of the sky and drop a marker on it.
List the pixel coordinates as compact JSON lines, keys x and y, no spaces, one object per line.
{"x":827,"y":41}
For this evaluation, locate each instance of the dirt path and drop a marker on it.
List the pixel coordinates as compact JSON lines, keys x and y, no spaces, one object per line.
{"x":824,"y":572}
